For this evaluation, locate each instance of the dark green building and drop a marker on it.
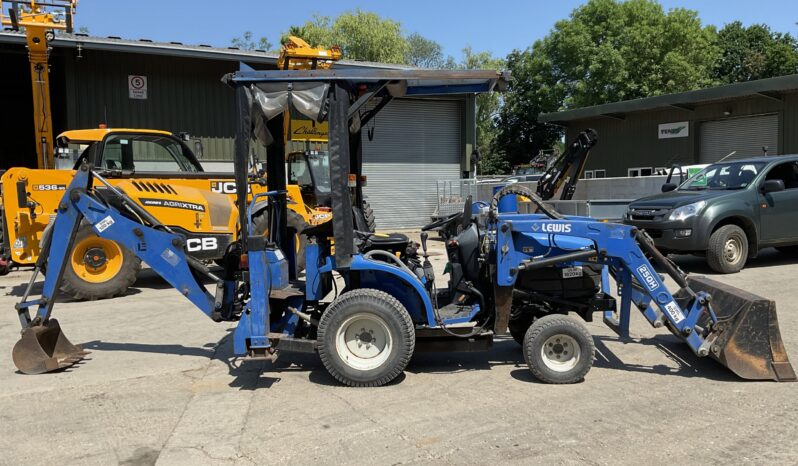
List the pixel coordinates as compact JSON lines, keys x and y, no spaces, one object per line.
{"x":639,"y":136}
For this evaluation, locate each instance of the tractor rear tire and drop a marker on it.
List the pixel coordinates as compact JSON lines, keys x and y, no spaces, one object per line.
{"x":295,"y":224}
{"x":559,"y":349}
{"x":727,"y":251}
{"x":365,"y":338}
{"x":116,"y":273}
{"x":368,"y":213}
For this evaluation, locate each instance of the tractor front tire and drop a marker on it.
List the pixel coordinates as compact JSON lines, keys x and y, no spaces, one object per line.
{"x":519,"y":325}
{"x":559,"y":349}
{"x":98,"y":268}
{"x":365,"y":338}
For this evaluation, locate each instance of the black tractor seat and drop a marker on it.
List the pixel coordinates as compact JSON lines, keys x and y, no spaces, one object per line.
{"x":392,"y":242}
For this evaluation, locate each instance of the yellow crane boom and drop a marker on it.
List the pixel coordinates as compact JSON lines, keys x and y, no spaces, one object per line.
{"x":296,"y":54}
{"x":40,"y":20}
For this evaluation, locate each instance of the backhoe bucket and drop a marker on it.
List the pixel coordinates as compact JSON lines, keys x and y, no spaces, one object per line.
{"x":747,"y":339}
{"x":44,"y":348}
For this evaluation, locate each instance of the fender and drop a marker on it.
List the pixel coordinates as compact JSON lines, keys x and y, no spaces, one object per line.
{"x":415,"y":299}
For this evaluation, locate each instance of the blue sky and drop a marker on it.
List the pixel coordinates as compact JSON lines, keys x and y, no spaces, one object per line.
{"x":498,"y":26}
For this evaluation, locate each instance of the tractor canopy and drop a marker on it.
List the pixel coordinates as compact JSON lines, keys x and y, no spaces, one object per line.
{"x":345,"y":98}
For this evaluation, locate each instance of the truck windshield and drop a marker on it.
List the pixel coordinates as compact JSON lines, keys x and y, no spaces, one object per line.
{"x":731,"y":175}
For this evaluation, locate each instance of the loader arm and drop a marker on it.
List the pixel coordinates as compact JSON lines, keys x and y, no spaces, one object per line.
{"x":743,"y":335}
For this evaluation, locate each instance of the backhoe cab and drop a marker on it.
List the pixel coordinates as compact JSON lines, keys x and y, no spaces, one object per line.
{"x":522,"y":272}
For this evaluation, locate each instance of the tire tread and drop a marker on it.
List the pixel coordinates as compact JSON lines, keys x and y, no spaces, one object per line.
{"x":374,"y":296}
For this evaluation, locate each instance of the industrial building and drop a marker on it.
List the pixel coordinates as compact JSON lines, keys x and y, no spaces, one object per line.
{"x":176,"y":87}
{"x":636,"y":137}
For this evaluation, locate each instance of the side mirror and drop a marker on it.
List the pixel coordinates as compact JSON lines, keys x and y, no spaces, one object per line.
{"x":772,"y":186}
{"x":667,"y":187}
{"x":198,"y":148}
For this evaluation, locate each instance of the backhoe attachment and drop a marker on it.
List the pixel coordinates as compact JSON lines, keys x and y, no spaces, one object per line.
{"x":45,"y":348}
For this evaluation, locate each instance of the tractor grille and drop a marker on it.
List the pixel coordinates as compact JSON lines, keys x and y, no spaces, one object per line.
{"x":154,"y":187}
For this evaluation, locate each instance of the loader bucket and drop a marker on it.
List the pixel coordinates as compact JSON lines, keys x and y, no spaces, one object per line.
{"x":747,"y":339}
{"x":44,"y":348}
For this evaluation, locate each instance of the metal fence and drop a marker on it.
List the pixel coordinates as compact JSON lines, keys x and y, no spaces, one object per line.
{"x":605,"y":199}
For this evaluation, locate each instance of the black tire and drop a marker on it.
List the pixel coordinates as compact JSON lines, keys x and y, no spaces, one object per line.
{"x":368,"y":213}
{"x":390,"y":318}
{"x":556,"y":331}
{"x":5,"y":262}
{"x":80,"y":289}
{"x":295,"y":224}
{"x":727,"y":251}
{"x":519,"y":325}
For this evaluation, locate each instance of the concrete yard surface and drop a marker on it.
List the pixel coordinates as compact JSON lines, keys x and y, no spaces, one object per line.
{"x":162,"y":387}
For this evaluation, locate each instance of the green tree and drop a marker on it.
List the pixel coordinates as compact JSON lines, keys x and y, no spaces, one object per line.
{"x":247,"y":42}
{"x":361,"y":35}
{"x":754,"y":52}
{"x":608,"y":50}
{"x":423,"y":52}
{"x":488,"y":105}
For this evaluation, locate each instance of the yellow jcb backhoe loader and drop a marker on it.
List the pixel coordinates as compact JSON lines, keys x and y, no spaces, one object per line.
{"x":157,"y":170}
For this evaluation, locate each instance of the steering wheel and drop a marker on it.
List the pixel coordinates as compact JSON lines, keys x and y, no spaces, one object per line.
{"x":441,"y":222}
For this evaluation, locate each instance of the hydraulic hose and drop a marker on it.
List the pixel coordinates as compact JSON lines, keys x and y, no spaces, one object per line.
{"x":526,"y":192}
{"x":398,"y":262}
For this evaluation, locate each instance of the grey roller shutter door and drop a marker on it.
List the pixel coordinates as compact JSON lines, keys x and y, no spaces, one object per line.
{"x":416,"y":143}
{"x":746,"y":136}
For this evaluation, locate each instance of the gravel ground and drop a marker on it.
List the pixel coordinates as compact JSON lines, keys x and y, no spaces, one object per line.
{"x":161,"y":386}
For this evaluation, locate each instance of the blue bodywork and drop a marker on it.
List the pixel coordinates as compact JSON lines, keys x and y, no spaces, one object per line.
{"x":527,"y":237}
{"x":513,"y":239}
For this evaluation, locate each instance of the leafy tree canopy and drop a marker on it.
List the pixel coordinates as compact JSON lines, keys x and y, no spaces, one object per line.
{"x":606,"y":51}
{"x":361,"y":35}
{"x":247,"y":42}
{"x":754,"y":52}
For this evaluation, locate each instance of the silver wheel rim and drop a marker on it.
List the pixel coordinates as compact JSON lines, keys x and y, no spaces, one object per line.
{"x":732,"y":250}
{"x":561,"y":353}
{"x":363,"y":341}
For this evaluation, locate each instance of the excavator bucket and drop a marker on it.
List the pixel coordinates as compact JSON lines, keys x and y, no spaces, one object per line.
{"x":747,"y":339}
{"x":44,"y":348}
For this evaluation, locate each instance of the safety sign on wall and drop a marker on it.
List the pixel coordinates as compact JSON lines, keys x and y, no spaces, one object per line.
{"x":137,"y":86}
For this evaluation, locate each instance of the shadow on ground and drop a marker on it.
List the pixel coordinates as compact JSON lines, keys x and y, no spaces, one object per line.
{"x":249,"y":374}
{"x":767,"y":258}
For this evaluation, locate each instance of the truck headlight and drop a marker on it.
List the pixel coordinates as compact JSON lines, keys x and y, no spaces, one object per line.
{"x":686,"y":211}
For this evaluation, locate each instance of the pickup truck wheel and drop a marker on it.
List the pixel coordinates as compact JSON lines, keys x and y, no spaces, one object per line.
{"x":728,"y":249}
{"x":98,"y":268}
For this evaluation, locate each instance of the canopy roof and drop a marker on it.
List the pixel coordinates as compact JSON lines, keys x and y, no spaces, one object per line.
{"x":412,"y":82}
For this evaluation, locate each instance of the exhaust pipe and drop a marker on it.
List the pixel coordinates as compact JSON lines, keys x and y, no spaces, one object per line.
{"x":746,"y":338}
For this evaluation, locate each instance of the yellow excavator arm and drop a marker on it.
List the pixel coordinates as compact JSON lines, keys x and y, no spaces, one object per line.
{"x":40,"y":20}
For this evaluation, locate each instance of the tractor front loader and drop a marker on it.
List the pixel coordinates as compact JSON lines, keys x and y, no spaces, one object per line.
{"x":526,"y":273}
